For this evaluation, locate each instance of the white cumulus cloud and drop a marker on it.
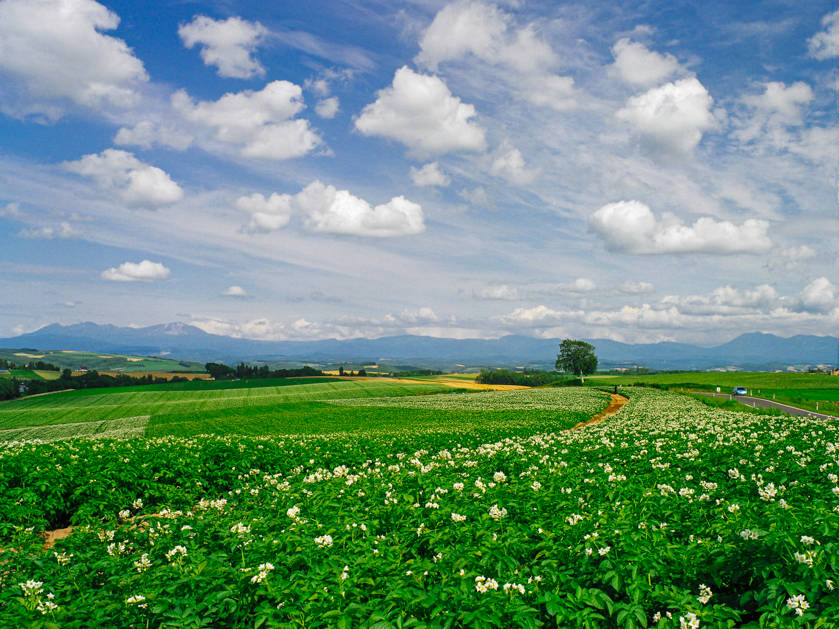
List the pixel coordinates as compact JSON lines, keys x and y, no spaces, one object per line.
{"x":639,"y":66}
{"x":147,"y":134}
{"x":329,"y":210}
{"x":419,"y":111}
{"x":631,"y":227}
{"x":471,"y":29}
{"x":820,"y":295}
{"x":825,"y":44}
{"x":631,"y":287}
{"x":509,"y":164}
{"x":328,"y":107}
{"x":770,"y":114}
{"x":671,"y":118}
{"x":261,"y":122}
{"x":790,"y":258}
{"x":47,"y":232}
{"x":226,"y":44}
{"x":135,"y":182}
{"x":234,"y":291}
{"x":56,"y":50}
{"x":11,"y":210}
{"x":581,"y":285}
{"x":499,"y":292}
{"x":727,"y":300}
{"x":267,"y":215}
{"x":429,"y":175}
{"x":145,"y":271}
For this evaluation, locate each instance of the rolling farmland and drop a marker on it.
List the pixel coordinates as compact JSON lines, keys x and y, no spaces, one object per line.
{"x":363,"y":504}
{"x":119,"y":363}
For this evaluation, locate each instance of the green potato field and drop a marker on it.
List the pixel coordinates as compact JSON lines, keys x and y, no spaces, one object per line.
{"x":440,"y":510}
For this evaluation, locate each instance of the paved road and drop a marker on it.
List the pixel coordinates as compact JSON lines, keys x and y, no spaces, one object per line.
{"x":760,"y":402}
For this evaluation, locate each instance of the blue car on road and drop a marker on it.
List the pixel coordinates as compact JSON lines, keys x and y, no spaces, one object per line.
{"x":740,"y":391}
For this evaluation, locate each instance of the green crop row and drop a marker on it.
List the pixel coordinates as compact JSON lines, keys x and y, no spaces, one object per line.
{"x":578,"y":399}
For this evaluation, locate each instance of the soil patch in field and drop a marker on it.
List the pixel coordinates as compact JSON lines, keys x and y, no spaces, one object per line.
{"x":614,"y":406}
{"x":51,"y":537}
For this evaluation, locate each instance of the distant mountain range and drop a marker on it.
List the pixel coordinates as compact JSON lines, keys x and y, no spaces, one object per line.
{"x":186,"y":342}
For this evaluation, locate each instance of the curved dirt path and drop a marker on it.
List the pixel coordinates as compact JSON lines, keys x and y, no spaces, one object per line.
{"x":614,"y":406}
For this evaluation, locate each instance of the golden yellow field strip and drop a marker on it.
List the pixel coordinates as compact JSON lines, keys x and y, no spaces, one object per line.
{"x":457,"y":383}
{"x":29,"y":355}
{"x":48,"y":375}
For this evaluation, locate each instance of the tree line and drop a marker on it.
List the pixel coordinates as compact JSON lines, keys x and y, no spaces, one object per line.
{"x":220,"y":371}
{"x":39,"y":365}
{"x":575,"y":357}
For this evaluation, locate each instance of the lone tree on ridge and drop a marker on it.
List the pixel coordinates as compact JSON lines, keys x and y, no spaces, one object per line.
{"x":576,"y":357}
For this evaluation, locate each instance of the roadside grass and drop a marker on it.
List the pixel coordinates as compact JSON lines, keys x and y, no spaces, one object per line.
{"x":732,"y":405}
{"x":812,"y":391}
{"x":727,"y":380}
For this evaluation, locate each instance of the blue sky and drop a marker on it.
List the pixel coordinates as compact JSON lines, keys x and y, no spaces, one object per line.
{"x":665,"y":171}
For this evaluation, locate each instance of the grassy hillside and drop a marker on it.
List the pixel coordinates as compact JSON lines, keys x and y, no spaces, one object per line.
{"x":67,"y":359}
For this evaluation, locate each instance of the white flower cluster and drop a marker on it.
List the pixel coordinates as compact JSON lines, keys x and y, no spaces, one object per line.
{"x":496,"y":514}
{"x":483,"y":584}
{"x":456,"y":517}
{"x":143,"y":563}
{"x":32,"y":589}
{"x":806,"y":557}
{"x":177,"y":550}
{"x":705,"y":594}
{"x":767,"y":492}
{"x":63,"y":559}
{"x":324,"y":541}
{"x":262,"y":572}
{"x":115,"y":549}
{"x":514,"y":587}
{"x":219,"y":504}
{"x":689,"y":622}
{"x":798,"y":603}
{"x":240,"y":529}
{"x":574,"y":518}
